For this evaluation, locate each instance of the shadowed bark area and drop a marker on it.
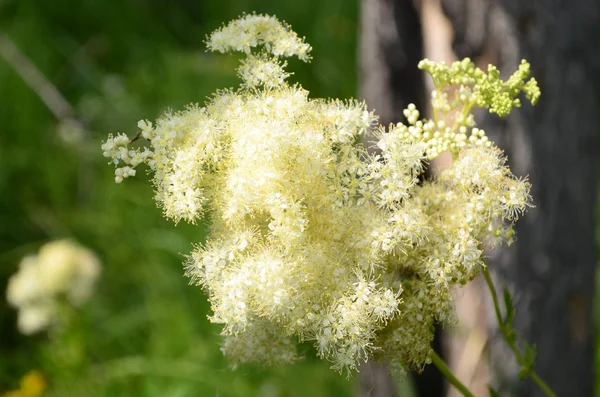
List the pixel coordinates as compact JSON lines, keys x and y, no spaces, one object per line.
{"x":390,"y":49}
{"x":375,"y":381}
{"x":551,"y":270}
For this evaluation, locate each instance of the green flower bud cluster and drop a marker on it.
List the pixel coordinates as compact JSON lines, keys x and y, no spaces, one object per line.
{"x":312,"y":237}
{"x":458,"y":89}
{"x":487,"y":91}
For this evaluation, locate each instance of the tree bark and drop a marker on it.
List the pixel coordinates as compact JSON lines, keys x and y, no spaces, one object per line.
{"x":389,"y":50}
{"x":391,"y":46}
{"x":375,"y":381}
{"x":551,"y":269}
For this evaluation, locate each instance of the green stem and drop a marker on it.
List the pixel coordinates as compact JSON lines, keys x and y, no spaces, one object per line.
{"x":443,"y":368}
{"x":503,"y":330}
{"x":541,"y":384}
{"x":434,"y":110}
{"x":465,"y":112}
{"x":511,"y":342}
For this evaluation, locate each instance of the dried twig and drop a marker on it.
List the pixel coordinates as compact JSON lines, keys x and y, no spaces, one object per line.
{"x":38,"y":83}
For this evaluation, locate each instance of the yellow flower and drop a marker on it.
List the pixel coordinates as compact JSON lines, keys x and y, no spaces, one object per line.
{"x":14,"y":393}
{"x":32,"y":384}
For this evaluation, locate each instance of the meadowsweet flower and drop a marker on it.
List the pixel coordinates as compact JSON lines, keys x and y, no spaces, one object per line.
{"x":252,"y":30}
{"x":60,"y":269}
{"x":312,"y":237}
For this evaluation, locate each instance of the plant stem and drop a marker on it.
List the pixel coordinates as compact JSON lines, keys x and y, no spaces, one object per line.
{"x":434,"y":110}
{"x":35,"y":79}
{"x":443,"y":368}
{"x":541,"y":384}
{"x":511,"y":342}
{"x":503,"y":330}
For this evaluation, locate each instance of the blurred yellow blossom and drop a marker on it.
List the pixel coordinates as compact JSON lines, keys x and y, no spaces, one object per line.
{"x":32,"y":384}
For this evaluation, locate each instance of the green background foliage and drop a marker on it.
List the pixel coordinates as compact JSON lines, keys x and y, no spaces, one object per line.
{"x":145,"y":331}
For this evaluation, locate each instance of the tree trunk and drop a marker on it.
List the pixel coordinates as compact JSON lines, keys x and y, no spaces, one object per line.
{"x":551,"y":270}
{"x":375,"y":381}
{"x":390,"y":48}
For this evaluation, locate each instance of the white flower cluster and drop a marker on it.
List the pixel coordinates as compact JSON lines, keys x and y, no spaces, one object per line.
{"x":60,"y":269}
{"x":116,"y":148}
{"x":311,"y":237}
{"x":249,"y":31}
{"x":439,"y":137}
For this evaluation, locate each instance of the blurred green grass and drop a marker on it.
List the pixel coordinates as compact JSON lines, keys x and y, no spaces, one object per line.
{"x":145,"y":332}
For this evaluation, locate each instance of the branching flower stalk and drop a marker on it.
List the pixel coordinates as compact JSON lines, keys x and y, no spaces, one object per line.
{"x":450,"y":377}
{"x":524,"y":359}
{"x":314,"y":238}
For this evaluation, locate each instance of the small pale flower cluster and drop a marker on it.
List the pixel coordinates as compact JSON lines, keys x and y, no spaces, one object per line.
{"x":262,"y":70}
{"x":312,"y":238}
{"x":116,"y":148}
{"x":439,"y":137}
{"x":249,"y":31}
{"x":61,"y":269}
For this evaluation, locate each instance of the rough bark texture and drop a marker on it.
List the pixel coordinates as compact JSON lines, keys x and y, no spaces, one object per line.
{"x":375,"y":381}
{"x":390,"y":48}
{"x":551,"y":270}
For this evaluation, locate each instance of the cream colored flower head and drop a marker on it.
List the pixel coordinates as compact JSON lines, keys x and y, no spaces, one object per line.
{"x":312,"y":237}
{"x":60,"y":269}
{"x":253,"y":30}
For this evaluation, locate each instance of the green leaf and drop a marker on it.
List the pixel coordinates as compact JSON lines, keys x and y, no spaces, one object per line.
{"x":510,"y":310}
{"x":523,"y":373}
{"x":511,"y":335}
{"x":529,"y":356}
{"x":493,"y":393}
